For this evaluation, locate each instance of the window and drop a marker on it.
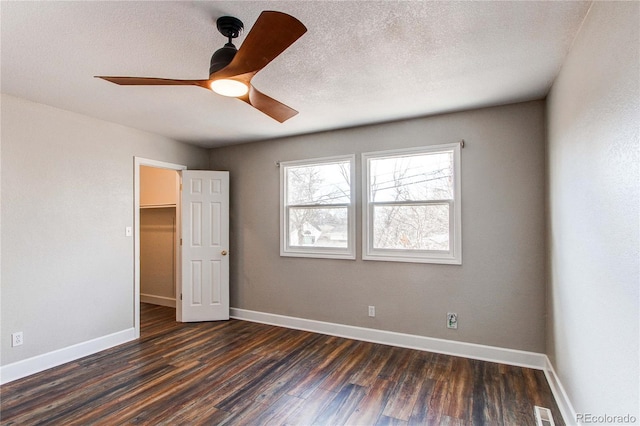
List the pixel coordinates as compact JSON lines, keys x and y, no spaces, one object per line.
{"x":317,"y":208}
{"x":411,"y":205}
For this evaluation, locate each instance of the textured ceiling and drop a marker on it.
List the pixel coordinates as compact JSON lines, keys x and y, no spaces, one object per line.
{"x":360,"y":62}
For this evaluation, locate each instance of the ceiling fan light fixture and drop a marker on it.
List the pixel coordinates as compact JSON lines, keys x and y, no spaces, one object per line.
{"x":232,"y":69}
{"x":229,"y":87}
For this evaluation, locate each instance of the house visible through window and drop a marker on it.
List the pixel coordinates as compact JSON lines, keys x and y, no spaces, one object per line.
{"x":411,"y":205}
{"x":317,"y":208}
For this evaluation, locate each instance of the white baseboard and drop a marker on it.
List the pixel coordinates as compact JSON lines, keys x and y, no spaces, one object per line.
{"x":26,"y":367}
{"x":515,"y":357}
{"x":562,"y":399}
{"x":158,"y":300}
{"x":20,"y":369}
{"x":411,"y":341}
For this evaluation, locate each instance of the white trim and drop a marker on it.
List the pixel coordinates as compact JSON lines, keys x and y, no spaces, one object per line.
{"x":137,"y":162}
{"x":158,"y":300}
{"x":515,"y":357}
{"x":562,"y":399}
{"x":349,"y":252}
{"x":26,"y":367}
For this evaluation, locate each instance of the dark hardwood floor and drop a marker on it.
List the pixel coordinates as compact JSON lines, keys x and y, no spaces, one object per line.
{"x":243,"y":373}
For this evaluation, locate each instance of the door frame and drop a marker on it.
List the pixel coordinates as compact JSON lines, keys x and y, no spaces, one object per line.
{"x":137,"y":162}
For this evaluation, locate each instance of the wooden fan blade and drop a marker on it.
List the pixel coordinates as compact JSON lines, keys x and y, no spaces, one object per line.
{"x":149,"y":81}
{"x":271,"y":35}
{"x":266,"y":104}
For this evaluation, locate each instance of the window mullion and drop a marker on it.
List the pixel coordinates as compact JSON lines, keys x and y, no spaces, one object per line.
{"x":316,"y":206}
{"x":410,"y":203}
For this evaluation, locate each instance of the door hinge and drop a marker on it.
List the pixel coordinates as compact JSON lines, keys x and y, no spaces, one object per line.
{"x":180,"y":241}
{"x":180,"y":296}
{"x":181,"y":187}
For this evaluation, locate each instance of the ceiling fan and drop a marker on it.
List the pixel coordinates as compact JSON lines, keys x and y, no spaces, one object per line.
{"x":232,"y":69}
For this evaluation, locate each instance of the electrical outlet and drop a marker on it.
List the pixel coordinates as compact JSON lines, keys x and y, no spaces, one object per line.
{"x":452,"y":320}
{"x":16,"y":338}
{"x":372,"y":311}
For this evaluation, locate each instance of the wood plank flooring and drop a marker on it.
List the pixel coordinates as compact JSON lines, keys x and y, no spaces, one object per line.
{"x":242,"y":373}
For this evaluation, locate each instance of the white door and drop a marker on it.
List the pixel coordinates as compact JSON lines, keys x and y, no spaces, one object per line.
{"x":205,"y":246}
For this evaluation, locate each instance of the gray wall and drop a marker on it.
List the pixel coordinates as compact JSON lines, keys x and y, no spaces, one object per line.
{"x":498,"y":292}
{"x":67,"y":196}
{"x":594,"y":187}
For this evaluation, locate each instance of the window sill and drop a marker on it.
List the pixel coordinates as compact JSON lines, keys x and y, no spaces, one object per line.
{"x":445,"y":260}
{"x":319,"y":255}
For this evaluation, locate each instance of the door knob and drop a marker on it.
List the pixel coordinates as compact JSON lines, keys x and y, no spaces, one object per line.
{"x":224,"y":252}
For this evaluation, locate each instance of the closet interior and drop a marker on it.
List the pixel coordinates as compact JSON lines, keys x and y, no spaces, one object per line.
{"x":158,"y":237}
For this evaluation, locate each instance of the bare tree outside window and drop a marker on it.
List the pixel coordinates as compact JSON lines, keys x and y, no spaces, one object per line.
{"x":411,"y":206}
{"x":318,"y":204}
{"x":401,"y":185}
{"x":410,"y":209}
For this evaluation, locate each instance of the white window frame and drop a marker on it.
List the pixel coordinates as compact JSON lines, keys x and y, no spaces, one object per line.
{"x":454,"y":255}
{"x":318,"y":252}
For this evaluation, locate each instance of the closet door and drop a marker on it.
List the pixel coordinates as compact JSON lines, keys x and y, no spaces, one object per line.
{"x":205,"y":246}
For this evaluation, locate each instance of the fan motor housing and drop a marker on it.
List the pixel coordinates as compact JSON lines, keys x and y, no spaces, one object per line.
{"x":222,"y":57}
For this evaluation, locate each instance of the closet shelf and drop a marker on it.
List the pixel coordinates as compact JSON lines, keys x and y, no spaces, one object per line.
{"x":158,"y":206}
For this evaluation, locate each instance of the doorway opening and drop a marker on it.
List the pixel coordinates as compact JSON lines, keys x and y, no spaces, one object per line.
{"x":157,"y":234}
